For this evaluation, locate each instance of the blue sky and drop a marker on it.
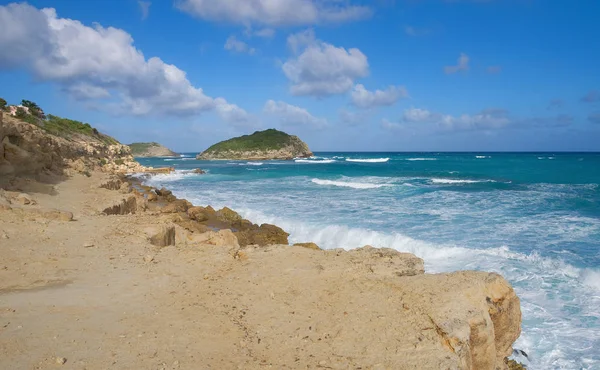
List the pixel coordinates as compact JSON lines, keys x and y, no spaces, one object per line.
{"x":382,"y":75}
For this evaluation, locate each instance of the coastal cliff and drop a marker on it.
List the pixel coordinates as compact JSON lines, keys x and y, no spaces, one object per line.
{"x":58,"y":146}
{"x":261,"y":145}
{"x":151,"y":150}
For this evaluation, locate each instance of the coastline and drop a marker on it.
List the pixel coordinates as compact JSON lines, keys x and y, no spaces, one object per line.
{"x":138,"y":278}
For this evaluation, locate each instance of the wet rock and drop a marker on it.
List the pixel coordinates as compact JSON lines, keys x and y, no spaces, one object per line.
{"x":163,"y":192}
{"x":308,"y":245}
{"x":199,"y":171}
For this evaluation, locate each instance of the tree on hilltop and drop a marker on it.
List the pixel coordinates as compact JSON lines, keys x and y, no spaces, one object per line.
{"x":2,"y":103}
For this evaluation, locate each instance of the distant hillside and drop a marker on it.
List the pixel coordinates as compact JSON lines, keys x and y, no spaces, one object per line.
{"x":151,"y":150}
{"x":267,"y":144}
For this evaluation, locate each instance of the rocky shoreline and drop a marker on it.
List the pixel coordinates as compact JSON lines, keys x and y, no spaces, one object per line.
{"x":98,"y":270}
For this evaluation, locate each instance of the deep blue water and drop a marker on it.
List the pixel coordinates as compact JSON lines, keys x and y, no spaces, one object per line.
{"x":532,"y":217}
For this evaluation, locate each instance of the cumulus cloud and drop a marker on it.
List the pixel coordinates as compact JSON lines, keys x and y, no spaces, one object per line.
{"x":363,"y":98}
{"x":96,"y":62}
{"x":461,"y":65}
{"x":293,"y":115}
{"x":144,"y":8}
{"x":274,"y":12}
{"x":321,"y":69}
{"x":238,"y":46}
{"x":592,"y":96}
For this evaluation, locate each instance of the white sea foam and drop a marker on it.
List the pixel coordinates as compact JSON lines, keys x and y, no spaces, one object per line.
{"x":345,"y":184}
{"x":315,"y":161}
{"x":482,"y":156}
{"x":454,"y":181}
{"x":251,"y":164}
{"x":368,"y":160}
{"x":421,"y":159}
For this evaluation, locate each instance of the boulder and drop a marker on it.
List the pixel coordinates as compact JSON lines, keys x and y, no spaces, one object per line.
{"x":222,"y":238}
{"x":265,"y":234}
{"x":199,"y":171}
{"x":193,"y":226}
{"x":179,"y":205}
{"x":152,"y":197}
{"x":308,"y":245}
{"x":165,"y":237}
{"x":163,"y":192}
{"x":197,"y":214}
{"x":228,"y":215}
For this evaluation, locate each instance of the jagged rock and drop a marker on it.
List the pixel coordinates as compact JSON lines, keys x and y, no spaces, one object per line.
{"x":163,"y":192}
{"x":112,"y":184}
{"x":308,"y":245}
{"x":152,"y":197}
{"x":514,"y":365}
{"x":193,"y":226}
{"x":228,"y":215}
{"x":180,"y":205}
{"x":197,"y":214}
{"x":125,"y":207}
{"x":265,"y":234}
{"x":165,"y":237}
{"x":199,"y":171}
{"x":124,"y":188}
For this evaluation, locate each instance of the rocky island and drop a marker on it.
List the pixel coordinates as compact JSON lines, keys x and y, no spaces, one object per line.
{"x":89,"y":255}
{"x":152,"y":149}
{"x":261,"y":145}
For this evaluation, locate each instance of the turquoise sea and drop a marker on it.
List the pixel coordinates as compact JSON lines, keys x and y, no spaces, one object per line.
{"x":532,"y":217}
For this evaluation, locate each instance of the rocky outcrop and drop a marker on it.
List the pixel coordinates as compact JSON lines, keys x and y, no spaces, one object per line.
{"x":261,"y":145}
{"x":151,"y":150}
{"x":29,"y":150}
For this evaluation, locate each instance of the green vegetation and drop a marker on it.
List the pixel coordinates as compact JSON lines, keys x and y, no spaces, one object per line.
{"x":270,"y":139}
{"x":2,"y":104}
{"x":138,"y":148}
{"x":58,"y":126}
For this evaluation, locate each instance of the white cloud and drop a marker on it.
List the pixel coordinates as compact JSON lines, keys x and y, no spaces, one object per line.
{"x":487,"y":119}
{"x":95,"y":62}
{"x":293,"y":115}
{"x":145,"y":8}
{"x":274,"y":12}
{"x":461,"y":65}
{"x":365,"y":99}
{"x":266,"y":33}
{"x":233,"y":44}
{"x":322,"y":69}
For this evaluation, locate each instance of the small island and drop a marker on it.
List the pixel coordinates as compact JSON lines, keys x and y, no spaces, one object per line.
{"x":261,"y":145}
{"x":151,"y":150}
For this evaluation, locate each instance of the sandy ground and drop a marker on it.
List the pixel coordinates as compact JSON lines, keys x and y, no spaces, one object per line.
{"x":95,"y":294}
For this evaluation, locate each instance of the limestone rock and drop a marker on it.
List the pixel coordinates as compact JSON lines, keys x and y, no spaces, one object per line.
{"x":24,"y":199}
{"x":152,"y":197}
{"x":385,"y":261}
{"x":165,"y":237}
{"x":265,"y":234}
{"x":199,"y":171}
{"x":228,"y":215}
{"x":308,"y":245}
{"x":197,"y":214}
{"x":222,"y":238}
{"x":163,"y":192}
{"x":51,"y":214}
{"x":179,"y":205}
{"x":125,"y":207}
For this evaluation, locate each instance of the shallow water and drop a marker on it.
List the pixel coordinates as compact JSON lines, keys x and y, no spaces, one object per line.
{"x":532,"y":217}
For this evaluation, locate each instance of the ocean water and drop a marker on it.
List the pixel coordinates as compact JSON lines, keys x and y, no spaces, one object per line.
{"x":532,"y":217}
